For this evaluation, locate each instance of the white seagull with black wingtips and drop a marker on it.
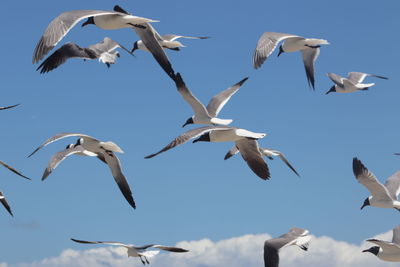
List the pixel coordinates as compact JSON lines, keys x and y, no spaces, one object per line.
{"x":296,"y":237}
{"x":387,"y":251}
{"x":104,"y":51}
{"x":89,"y":146}
{"x":206,"y":115}
{"x":245,"y":141}
{"x":61,"y":25}
{"x":382,"y":196}
{"x":352,"y":83}
{"x":134,"y":251}
{"x":167,"y":41}
{"x":309,"y":49}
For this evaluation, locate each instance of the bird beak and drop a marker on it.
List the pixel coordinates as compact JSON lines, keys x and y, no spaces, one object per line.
{"x":186,"y":123}
{"x":362,"y":206}
{"x":332,"y":89}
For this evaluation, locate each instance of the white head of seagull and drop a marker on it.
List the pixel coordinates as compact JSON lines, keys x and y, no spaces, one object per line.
{"x":309,"y":48}
{"x":134,"y":251}
{"x":295,"y":237}
{"x":245,"y":140}
{"x":206,"y":115}
{"x":89,"y":146}
{"x":352,"y":83}
{"x":382,"y":196}
{"x":387,"y":251}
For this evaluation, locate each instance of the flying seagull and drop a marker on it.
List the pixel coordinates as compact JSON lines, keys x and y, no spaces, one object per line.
{"x":387,"y":251}
{"x":383,"y":196}
{"x":149,"y":37}
{"x":206,"y":115}
{"x":270,"y":153}
{"x":7,"y":107}
{"x":296,"y":236}
{"x":2,"y":197}
{"x":291,"y":43}
{"x":244,"y":140}
{"x":89,"y":146}
{"x":167,"y":41}
{"x":352,"y":83}
{"x":134,"y":251}
{"x":61,"y":25}
{"x":104,"y":51}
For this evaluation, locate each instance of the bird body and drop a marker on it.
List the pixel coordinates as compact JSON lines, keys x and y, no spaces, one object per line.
{"x":385,"y":250}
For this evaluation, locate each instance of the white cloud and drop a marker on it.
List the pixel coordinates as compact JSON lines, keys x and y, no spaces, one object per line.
{"x":240,"y":251}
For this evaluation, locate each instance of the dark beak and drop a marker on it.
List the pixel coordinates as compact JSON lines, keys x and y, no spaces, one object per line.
{"x":85,"y":23}
{"x":363,"y":206}
{"x":332,"y":89}
{"x":186,"y":123}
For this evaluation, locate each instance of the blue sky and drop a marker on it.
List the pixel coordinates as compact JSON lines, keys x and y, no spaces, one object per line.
{"x":191,"y":193}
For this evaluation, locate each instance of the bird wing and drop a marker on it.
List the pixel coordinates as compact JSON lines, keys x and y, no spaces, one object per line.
{"x":59,"y":27}
{"x":369,"y":180}
{"x":115,"y":167}
{"x":150,"y":38}
{"x":358,"y":77}
{"x":267,"y":44}
{"x":101,"y":242}
{"x":336,"y":79}
{"x":218,"y":101}
{"x":58,"y":137}
{"x":388,"y":247}
{"x":392,"y":184}
{"x":233,"y":151}
{"x":173,"y":37}
{"x":108,"y":45}
{"x":183,"y":138}
{"x":5,"y":203}
{"x":309,"y":56}
{"x":65,"y":52}
{"x":284,"y":159}
{"x":13,"y":170}
{"x":297,"y":236}
{"x":166,"y":248}
{"x":271,"y":253}
{"x":60,"y":156}
{"x":198,"y":108}
{"x":396,"y":235}
{"x":7,"y":107}
{"x":250,"y":152}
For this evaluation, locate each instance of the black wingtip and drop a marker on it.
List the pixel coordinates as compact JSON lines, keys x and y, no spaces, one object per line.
{"x":358,"y":167}
{"x":117,"y":8}
{"x":178,"y":80}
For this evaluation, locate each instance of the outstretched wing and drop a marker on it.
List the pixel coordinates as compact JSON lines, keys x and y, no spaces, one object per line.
{"x":13,"y":170}
{"x":251,"y":154}
{"x":310,"y":55}
{"x":5,"y":203}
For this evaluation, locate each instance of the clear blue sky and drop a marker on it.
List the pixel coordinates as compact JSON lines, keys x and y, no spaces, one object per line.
{"x":190,"y":192}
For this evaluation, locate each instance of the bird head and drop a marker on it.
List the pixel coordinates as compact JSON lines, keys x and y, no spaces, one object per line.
{"x":366,"y":203}
{"x":90,"y":20}
{"x":374,"y":250}
{"x":205,"y":138}
{"x":188,"y":121}
{"x":135,"y":47}
{"x":333,"y":89}
{"x":280,"y":50}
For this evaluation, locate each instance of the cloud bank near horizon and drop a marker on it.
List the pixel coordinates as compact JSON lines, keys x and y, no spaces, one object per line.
{"x":242,"y":251}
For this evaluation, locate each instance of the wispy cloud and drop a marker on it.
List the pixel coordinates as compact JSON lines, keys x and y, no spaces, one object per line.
{"x":240,"y":251}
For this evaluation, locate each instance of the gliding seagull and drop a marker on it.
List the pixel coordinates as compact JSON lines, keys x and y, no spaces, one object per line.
{"x":2,"y":197}
{"x":134,"y":251}
{"x":296,"y":236}
{"x":104,"y":51}
{"x":387,"y":251}
{"x":149,"y":38}
{"x":352,"y":83}
{"x":309,"y":49}
{"x":265,"y":152}
{"x":167,"y":41}
{"x":202,"y":114}
{"x":245,"y":140}
{"x":61,"y":25}
{"x":89,"y":146}
{"x":383,"y":196}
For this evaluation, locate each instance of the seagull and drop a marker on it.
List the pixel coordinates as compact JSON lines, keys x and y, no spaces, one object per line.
{"x":104,"y":51}
{"x":206,"y":115}
{"x":7,"y":107}
{"x":244,"y":140}
{"x":383,"y":196}
{"x":2,"y":197}
{"x":387,"y":251}
{"x":167,"y":41}
{"x":61,"y":25}
{"x":309,"y":49}
{"x":134,"y":251}
{"x":296,"y":236}
{"x":270,"y":153}
{"x":149,"y":37}
{"x":352,"y":83}
{"x":89,"y":146}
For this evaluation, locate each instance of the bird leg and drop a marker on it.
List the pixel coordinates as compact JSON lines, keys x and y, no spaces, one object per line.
{"x":146,"y":260}
{"x":144,"y":263}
